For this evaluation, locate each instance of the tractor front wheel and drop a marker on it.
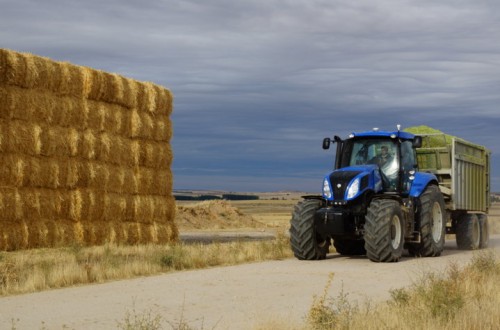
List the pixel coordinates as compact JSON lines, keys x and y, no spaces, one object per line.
{"x":384,"y":231}
{"x":306,"y":243}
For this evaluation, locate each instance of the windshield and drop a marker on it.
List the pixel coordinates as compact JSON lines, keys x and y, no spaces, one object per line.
{"x":381,"y":152}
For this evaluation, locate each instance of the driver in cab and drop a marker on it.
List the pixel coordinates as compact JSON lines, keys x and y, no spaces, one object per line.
{"x":383,"y":158}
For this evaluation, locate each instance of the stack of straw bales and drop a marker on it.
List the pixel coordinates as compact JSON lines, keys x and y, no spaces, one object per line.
{"x":85,"y":156}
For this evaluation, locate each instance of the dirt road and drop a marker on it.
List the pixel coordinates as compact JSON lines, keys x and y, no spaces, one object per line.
{"x":236,"y":297}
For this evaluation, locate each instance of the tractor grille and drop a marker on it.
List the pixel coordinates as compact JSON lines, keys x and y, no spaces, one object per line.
{"x":339,"y":181}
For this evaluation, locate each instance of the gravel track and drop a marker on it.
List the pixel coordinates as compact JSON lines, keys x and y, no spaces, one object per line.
{"x":235,"y":297}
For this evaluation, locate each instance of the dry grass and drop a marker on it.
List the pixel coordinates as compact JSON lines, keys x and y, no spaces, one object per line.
{"x":42,"y":269}
{"x":466,"y":298}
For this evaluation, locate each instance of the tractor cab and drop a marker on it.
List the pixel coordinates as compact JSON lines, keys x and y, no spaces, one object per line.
{"x":384,"y":161}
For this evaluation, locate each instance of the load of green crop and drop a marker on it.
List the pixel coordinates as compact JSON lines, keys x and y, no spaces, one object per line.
{"x":434,"y":138}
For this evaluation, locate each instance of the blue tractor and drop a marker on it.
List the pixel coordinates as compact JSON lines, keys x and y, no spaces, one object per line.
{"x":374,"y":202}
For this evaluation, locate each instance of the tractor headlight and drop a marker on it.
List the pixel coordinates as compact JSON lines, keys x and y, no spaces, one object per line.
{"x":353,"y":189}
{"x":327,"y":192}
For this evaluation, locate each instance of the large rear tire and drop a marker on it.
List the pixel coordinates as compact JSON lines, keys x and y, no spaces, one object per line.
{"x":432,"y":224}
{"x":468,"y":232}
{"x":306,"y":243}
{"x":384,"y":231}
{"x":484,"y":231}
{"x":349,"y":247}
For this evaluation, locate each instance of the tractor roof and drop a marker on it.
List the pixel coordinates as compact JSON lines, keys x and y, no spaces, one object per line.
{"x":394,"y":134}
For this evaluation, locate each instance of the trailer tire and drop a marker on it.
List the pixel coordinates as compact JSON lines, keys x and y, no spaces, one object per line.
{"x":305,"y":242}
{"x":432,"y":224}
{"x":468,"y":232}
{"x":384,"y":231}
{"x":484,"y":231}
{"x":349,"y":247}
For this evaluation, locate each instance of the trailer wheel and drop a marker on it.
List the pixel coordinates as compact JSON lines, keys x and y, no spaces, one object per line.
{"x":349,"y":247}
{"x":306,"y":243}
{"x":484,"y":231}
{"x":432,"y":224}
{"x":468,"y":233}
{"x":384,"y":231}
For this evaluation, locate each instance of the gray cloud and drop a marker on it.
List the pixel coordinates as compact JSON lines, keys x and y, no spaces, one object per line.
{"x":258,"y":84}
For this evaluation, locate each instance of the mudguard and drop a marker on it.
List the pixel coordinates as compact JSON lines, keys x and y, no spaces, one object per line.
{"x":421,"y":182}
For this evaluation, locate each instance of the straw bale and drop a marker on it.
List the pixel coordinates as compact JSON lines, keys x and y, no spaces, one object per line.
{"x":88,"y":149}
{"x":163,"y":129}
{"x":12,"y":171}
{"x":13,"y":68}
{"x":76,"y":205}
{"x":99,"y":176}
{"x":78,"y":232}
{"x":31,"y":203}
{"x":72,"y":172}
{"x":105,"y":152}
{"x":34,"y":105}
{"x":150,"y":233}
{"x":96,"y":91}
{"x":154,"y":99}
{"x":133,"y":232}
{"x":97,"y":116}
{"x":6,"y":103}
{"x":135,"y":124}
{"x":148,"y":126}
{"x":116,"y":122}
{"x":75,"y":81}
{"x":13,"y":236}
{"x":96,"y":205}
{"x":162,"y":183}
{"x":144,"y":209}
{"x":23,"y":137}
{"x":37,"y":233}
{"x":115,"y":206}
{"x":118,"y":179}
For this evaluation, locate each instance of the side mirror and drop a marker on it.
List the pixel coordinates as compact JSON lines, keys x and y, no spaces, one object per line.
{"x":326,"y":143}
{"x":417,"y":142}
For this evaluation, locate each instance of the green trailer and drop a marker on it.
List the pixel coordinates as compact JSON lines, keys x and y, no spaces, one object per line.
{"x":463,"y":171}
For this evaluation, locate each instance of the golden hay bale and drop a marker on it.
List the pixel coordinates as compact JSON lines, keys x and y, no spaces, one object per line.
{"x":162,"y":130}
{"x":135,"y":124}
{"x":133,"y":232}
{"x":31,"y":203}
{"x":23,"y":137}
{"x":6,"y":103}
{"x":75,"y":81}
{"x":149,"y":233}
{"x":116,"y":121}
{"x":13,"y":68}
{"x":37,"y":233}
{"x":117,"y":178}
{"x":97,"y":116}
{"x":105,"y":153}
{"x":114,"y":207}
{"x":13,"y":170}
{"x":147,"y":126}
{"x":144,"y":209}
{"x":70,"y":167}
{"x":88,"y":149}
{"x":13,"y":236}
{"x":154,"y":99}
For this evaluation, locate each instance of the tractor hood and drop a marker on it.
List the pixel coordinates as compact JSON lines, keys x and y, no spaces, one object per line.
{"x":348,"y":183}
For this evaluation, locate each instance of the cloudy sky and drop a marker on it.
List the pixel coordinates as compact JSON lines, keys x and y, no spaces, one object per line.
{"x":258,"y":84}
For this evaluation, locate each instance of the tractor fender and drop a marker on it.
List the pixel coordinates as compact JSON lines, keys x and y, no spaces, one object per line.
{"x":420,"y":182}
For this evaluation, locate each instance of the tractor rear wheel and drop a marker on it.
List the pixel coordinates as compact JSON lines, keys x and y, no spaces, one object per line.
{"x":306,"y":243}
{"x":432,"y":224}
{"x":384,"y":231}
{"x":349,"y":247}
{"x":468,"y":232}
